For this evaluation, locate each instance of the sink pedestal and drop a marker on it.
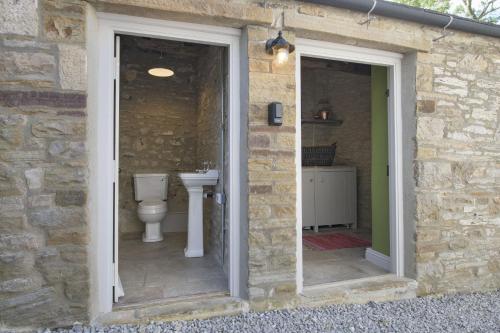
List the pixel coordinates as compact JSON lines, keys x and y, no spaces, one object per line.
{"x":194,"y":246}
{"x":194,"y":183}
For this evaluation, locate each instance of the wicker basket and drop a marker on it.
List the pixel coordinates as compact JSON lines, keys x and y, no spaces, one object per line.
{"x":319,"y":155}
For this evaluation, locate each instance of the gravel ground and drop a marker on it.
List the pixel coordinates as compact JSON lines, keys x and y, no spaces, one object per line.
{"x":458,"y":313}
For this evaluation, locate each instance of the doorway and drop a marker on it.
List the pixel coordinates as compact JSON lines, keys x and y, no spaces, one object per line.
{"x":348,"y":163}
{"x":107,"y":165}
{"x":170,"y":120}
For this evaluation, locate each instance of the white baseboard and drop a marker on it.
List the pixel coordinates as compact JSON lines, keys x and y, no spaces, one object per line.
{"x":175,"y":222}
{"x":379,"y":259}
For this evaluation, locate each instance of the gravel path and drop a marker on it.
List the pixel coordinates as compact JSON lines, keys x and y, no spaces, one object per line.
{"x":459,"y":313}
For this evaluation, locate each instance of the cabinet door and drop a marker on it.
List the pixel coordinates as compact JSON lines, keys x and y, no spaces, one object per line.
{"x":332,"y":197}
{"x":308,"y":211}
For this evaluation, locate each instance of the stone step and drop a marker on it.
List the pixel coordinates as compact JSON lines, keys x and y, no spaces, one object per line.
{"x":382,"y":288}
{"x":181,"y":308}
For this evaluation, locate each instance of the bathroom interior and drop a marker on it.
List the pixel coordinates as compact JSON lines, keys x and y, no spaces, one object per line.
{"x":171,"y":161}
{"x":345,"y":200}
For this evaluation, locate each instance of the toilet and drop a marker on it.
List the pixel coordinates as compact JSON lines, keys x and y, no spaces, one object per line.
{"x":151,"y":193}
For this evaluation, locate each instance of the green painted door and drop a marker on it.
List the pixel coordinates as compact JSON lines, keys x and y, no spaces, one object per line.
{"x":380,"y":150}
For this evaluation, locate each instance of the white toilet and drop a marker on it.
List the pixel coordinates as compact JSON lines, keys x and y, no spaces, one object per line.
{"x":151,"y":192}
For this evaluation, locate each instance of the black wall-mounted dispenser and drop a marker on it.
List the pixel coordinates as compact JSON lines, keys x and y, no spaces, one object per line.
{"x":275,"y":114}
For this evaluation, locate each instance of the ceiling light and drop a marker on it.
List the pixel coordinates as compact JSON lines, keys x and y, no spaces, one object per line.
{"x":161,"y":72}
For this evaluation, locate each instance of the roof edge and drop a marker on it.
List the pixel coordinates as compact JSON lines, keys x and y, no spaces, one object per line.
{"x":414,"y":14}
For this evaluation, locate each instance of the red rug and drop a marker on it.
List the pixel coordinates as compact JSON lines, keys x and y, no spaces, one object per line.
{"x":333,"y":241}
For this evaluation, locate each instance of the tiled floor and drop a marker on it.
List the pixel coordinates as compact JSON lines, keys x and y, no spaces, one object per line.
{"x":337,"y":265}
{"x":152,"y":271}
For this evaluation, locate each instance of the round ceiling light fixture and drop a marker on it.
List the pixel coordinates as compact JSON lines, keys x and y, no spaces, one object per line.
{"x":161,"y":72}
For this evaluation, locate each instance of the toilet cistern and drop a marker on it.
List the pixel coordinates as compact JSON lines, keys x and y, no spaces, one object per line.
{"x":194,"y":182}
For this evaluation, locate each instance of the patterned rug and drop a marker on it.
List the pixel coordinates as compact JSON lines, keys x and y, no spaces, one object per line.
{"x":333,"y":241}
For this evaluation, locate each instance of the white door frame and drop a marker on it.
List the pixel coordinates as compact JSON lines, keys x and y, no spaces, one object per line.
{"x":334,"y":51}
{"x":108,"y":26}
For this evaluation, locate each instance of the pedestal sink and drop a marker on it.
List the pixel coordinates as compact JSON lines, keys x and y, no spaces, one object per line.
{"x":194,"y":182}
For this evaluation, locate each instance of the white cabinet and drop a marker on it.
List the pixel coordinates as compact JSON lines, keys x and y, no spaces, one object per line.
{"x":328,"y":196}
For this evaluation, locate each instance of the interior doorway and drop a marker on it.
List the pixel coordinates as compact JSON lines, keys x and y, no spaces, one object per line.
{"x":348,"y":164}
{"x":170,"y":121}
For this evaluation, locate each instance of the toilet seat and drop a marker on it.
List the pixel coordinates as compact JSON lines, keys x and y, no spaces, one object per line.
{"x":152,"y":206}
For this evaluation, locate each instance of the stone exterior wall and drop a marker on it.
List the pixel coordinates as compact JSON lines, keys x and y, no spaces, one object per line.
{"x":349,"y":95}
{"x":158,"y":121}
{"x":457,"y":166}
{"x":44,"y":276}
{"x":271,"y":176}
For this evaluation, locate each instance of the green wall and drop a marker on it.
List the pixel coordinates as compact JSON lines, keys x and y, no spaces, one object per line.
{"x":380,"y":150}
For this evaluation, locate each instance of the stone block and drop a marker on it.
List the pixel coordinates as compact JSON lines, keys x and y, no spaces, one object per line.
{"x":11,"y":131}
{"x":77,"y":291}
{"x":430,"y":129}
{"x":57,"y":217}
{"x":72,"y":67}
{"x":60,"y":27}
{"x":14,"y":98}
{"x":257,"y":65}
{"x":34,"y":178}
{"x":259,"y":140}
{"x":41,"y":200}
{"x":74,"y":236}
{"x":19,"y":17}
{"x":33,"y":308}
{"x":56,"y":128}
{"x":426,"y":106}
{"x":21,"y":284}
{"x":35,"y":69}
{"x":434,"y":175}
{"x":70,"y":198}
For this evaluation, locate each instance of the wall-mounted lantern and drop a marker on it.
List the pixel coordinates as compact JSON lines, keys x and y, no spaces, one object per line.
{"x":280,"y":48}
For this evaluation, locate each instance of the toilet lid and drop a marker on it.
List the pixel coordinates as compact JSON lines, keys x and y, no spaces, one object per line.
{"x":153,"y":205}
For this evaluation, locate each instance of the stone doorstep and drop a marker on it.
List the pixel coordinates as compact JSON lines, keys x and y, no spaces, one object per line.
{"x":179,"y":308}
{"x":378,"y":289}
{"x":383,"y":288}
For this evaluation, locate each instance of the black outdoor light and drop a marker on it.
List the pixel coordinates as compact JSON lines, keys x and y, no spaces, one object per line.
{"x":280,"y":48}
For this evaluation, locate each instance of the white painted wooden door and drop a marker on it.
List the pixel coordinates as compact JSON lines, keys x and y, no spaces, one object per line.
{"x":308,"y":209}
{"x":117,"y":288}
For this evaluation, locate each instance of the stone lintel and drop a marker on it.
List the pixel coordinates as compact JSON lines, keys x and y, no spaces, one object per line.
{"x":202,"y":12}
{"x":341,"y":26}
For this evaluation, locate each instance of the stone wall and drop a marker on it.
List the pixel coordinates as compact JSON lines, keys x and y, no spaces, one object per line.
{"x":43,"y":257}
{"x":457,"y":165}
{"x":271,"y":176}
{"x":44,"y":278}
{"x":347,"y":91}
{"x":158,"y":121}
{"x":209,"y":141}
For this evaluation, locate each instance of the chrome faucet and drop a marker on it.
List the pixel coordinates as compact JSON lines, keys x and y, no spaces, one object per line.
{"x":207,"y":165}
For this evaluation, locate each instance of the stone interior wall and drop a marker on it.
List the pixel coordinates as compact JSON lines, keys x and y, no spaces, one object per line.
{"x":169,"y":124}
{"x":157,"y":121}
{"x":44,"y":279}
{"x":346,"y":89}
{"x":209,"y":143}
{"x":457,"y":165}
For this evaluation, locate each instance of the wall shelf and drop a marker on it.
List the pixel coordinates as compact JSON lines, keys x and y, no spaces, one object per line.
{"x":330,"y":122}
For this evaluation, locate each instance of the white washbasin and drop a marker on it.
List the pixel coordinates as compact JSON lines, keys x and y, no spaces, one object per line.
{"x":201,"y":178}
{"x":194,"y":182}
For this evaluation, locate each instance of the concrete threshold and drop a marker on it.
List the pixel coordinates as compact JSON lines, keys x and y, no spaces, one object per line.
{"x":179,"y":308}
{"x":388,"y":287}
